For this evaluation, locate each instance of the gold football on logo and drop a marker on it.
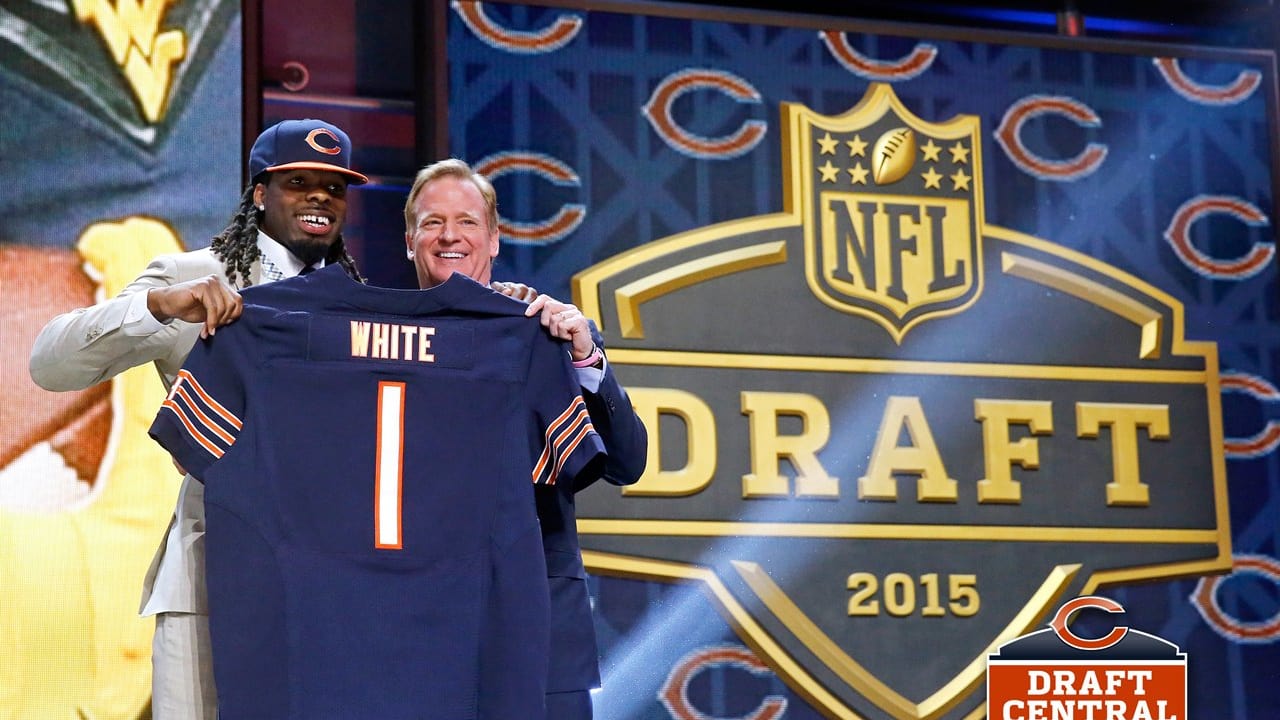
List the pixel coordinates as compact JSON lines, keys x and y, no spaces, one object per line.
{"x":893,"y":155}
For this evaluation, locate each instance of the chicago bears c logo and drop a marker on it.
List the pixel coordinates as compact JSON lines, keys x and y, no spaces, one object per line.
{"x":314,"y":136}
{"x":658,"y":111}
{"x":1179,"y":236}
{"x":564,"y":221}
{"x":1229,"y":94}
{"x":1009,"y":135}
{"x":919,"y":59}
{"x":1205,"y":600}
{"x":675,"y":691}
{"x":563,"y":30}
{"x":1268,"y":438}
{"x":1095,"y":602}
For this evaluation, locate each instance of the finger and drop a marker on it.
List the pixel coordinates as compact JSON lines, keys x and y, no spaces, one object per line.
{"x":221,"y":310}
{"x":554,"y":312}
{"x":548,"y":305}
{"x":212,"y":314}
{"x":192,"y":305}
{"x":231,"y":305}
{"x":576,"y":324}
{"x":237,"y":307}
{"x":517,"y":291}
{"x":536,"y":305}
{"x":578,"y":333}
{"x":569,"y":323}
{"x":218,"y":302}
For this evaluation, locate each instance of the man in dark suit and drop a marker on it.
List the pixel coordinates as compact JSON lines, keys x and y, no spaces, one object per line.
{"x":451,"y":225}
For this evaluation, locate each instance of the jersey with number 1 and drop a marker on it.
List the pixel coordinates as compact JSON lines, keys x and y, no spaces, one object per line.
{"x":368,"y":454}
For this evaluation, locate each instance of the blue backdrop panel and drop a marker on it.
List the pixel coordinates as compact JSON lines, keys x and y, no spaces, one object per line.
{"x":1157,"y":161}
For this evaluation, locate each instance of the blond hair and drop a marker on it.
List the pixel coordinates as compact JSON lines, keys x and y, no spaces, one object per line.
{"x":452,"y":167}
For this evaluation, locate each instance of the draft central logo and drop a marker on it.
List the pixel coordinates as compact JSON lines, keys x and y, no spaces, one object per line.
{"x":1126,"y":674}
{"x":888,"y":437}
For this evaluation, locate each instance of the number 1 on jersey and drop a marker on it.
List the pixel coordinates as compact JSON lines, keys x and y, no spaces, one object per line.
{"x":389,"y":467}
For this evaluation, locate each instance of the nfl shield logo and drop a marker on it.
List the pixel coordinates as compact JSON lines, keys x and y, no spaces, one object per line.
{"x":894,"y":210}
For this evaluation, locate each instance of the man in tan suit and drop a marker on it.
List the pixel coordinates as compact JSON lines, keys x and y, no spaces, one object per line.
{"x":289,"y":221}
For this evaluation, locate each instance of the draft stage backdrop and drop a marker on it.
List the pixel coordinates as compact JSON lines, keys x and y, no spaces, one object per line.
{"x":932,"y":330}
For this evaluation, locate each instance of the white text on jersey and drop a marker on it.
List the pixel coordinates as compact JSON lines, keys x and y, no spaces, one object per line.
{"x":387,"y":341}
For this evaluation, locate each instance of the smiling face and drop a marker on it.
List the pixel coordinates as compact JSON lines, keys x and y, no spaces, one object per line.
{"x":451,"y":232}
{"x":305,"y":210}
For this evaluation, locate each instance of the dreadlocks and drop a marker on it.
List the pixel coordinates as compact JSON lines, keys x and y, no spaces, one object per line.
{"x":237,"y":244}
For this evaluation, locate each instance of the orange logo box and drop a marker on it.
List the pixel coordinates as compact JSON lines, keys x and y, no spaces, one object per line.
{"x":1055,"y":674}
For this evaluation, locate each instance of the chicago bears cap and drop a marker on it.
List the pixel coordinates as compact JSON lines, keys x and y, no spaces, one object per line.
{"x":303,"y":144}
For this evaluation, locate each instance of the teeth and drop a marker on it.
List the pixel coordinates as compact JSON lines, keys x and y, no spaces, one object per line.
{"x":452,"y":255}
{"x":316,"y":220}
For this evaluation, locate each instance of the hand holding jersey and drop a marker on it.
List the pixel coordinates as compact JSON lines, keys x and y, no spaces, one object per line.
{"x":564,"y":321}
{"x":209,"y":300}
{"x":515,"y":290}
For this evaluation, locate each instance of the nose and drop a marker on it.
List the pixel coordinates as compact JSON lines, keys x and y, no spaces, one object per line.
{"x":318,"y":193}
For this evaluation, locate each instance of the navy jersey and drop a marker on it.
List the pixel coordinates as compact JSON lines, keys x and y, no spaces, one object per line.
{"x":368,"y":457}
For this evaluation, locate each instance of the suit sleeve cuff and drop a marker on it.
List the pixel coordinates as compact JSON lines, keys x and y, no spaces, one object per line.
{"x":590,"y":377}
{"x":138,"y":320}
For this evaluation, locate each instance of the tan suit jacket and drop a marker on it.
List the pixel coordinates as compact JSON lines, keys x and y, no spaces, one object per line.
{"x":87,"y":346}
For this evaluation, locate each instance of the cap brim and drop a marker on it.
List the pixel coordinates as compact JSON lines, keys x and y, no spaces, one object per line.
{"x":356,"y":178}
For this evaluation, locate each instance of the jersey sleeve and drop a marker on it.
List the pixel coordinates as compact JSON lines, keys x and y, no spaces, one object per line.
{"x":566,"y":443}
{"x":203,"y":414}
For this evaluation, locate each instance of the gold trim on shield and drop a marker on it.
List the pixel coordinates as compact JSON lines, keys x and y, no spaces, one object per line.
{"x":1092,"y":292}
{"x":630,"y":296}
{"x":866,"y":684}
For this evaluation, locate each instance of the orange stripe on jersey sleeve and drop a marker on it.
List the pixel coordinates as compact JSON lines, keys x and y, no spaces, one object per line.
{"x":586,"y":429}
{"x":552,"y":459}
{"x":180,"y":392}
{"x":194,"y":433}
{"x":548,"y":445}
{"x":213,"y":404}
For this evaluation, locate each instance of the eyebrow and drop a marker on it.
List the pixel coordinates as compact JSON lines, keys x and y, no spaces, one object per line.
{"x":437,"y":214}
